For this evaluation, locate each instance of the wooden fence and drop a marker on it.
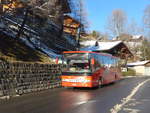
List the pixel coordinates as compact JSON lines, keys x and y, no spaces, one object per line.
{"x":20,"y":78}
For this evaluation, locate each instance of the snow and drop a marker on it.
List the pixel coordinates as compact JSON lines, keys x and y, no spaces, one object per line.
{"x":136,"y":36}
{"x":134,"y":44}
{"x":37,"y":44}
{"x":26,"y":27}
{"x":45,"y":49}
{"x":2,"y":25}
{"x":138,"y":63}
{"x":102,"y":45}
{"x":27,"y":43}
{"x":12,"y":28}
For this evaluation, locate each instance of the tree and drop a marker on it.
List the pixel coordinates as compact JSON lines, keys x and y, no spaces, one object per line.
{"x":133,"y":28}
{"x":79,"y":13}
{"x":95,"y":34}
{"x":146,"y":17}
{"x":146,"y":20}
{"x":145,"y":49}
{"x":116,"y":24}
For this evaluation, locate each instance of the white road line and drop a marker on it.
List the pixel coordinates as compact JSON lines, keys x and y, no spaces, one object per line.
{"x":118,"y":107}
{"x":84,"y":102}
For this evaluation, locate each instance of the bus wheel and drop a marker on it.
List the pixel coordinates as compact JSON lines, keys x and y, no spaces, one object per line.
{"x":100,"y":82}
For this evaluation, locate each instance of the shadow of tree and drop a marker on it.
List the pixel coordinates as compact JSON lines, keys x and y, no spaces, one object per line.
{"x":15,"y":49}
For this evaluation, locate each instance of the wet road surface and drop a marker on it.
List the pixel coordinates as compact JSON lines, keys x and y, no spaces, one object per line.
{"x":130,"y":95}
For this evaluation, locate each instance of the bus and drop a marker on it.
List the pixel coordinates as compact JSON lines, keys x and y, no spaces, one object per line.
{"x":89,"y":69}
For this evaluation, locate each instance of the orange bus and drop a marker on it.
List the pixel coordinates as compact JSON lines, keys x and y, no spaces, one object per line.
{"x":89,"y":69}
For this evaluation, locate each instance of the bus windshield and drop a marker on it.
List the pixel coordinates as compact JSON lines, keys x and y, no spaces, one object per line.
{"x":77,"y":62}
{"x":78,"y":56}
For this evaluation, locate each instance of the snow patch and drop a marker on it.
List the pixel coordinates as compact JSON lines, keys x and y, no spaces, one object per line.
{"x":138,"y":63}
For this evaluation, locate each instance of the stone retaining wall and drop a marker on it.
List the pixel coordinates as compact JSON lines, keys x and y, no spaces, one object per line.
{"x":21,"y":78}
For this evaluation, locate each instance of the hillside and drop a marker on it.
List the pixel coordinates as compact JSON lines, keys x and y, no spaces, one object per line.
{"x":16,"y":50}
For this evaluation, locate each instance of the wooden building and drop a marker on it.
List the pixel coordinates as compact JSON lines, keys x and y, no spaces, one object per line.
{"x":71,"y":25}
{"x":44,"y":21}
{"x":116,"y":48}
{"x":140,"y":67}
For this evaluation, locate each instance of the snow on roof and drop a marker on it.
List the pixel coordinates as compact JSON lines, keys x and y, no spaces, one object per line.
{"x":138,"y":63}
{"x":136,"y":36}
{"x":102,"y":45}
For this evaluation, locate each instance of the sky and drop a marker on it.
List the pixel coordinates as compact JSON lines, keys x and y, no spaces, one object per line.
{"x":99,"y":10}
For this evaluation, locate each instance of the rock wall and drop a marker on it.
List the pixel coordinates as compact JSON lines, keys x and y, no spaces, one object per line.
{"x":20,"y":78}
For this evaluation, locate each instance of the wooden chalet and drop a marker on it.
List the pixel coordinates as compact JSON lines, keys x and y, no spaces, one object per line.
{"x":71,"y":25}
{"x":11,"y":4}
{"x":140,"y":67}
{"x":120,"y":50}
{"x":116,"y":48}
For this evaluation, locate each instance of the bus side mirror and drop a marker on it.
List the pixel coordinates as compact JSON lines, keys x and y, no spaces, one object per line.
{"x":57,"y":59}
{"x":92,"y":61}
{"x":92,"y":64}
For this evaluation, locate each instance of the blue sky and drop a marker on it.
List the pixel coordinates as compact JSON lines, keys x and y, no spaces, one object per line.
{"x":99,"y":10}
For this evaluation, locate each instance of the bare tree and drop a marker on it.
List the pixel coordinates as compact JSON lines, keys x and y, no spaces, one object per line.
{"x":146,"y":17}
{"x":133,"y":28}
{"x":117,"y":22}
{"x":146,"y":20}
{"x":145,"y":49}
{"x":79,"y":13}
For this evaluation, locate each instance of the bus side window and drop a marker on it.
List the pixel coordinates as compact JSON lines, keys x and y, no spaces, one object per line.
{"x":95,"y":65}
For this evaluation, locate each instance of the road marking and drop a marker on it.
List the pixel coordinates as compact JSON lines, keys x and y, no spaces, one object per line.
{"x":118,"y":107}
{"x":84,"y":102}
{"x":80,"y":103}
{"x":129,"y":110}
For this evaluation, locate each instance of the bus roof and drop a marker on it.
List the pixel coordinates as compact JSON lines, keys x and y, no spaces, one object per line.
{"x":103,"y":54}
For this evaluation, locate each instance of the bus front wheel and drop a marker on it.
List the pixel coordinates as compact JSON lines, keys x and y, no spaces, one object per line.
{"x":100,"y":82}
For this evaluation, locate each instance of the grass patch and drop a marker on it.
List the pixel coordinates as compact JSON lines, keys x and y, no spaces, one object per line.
{"x":130,"y":72}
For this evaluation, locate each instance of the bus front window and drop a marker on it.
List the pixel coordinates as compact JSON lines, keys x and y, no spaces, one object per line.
{"x":77,"y":66}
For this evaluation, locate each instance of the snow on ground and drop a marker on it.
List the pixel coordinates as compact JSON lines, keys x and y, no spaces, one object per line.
{"x":37,"y":44}
{"x":27,"y":43}
{"x":45,"y":49}
{"x":138,"y":63}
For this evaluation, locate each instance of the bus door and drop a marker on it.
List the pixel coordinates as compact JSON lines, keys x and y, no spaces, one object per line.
{"x":96,"y":71}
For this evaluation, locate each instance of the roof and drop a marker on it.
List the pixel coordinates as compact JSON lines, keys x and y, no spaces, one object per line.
{"x":138,"y":63}
{"x":115,"y":48}
{"x":136,"y":36}
{"x":103,"y":54}
{"x":71,"y":25}
{"x":102,"y":45}
{"x":72,"y":19}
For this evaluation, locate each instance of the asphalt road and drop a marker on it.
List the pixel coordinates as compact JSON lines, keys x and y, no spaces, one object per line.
{"x":130,"y":95}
